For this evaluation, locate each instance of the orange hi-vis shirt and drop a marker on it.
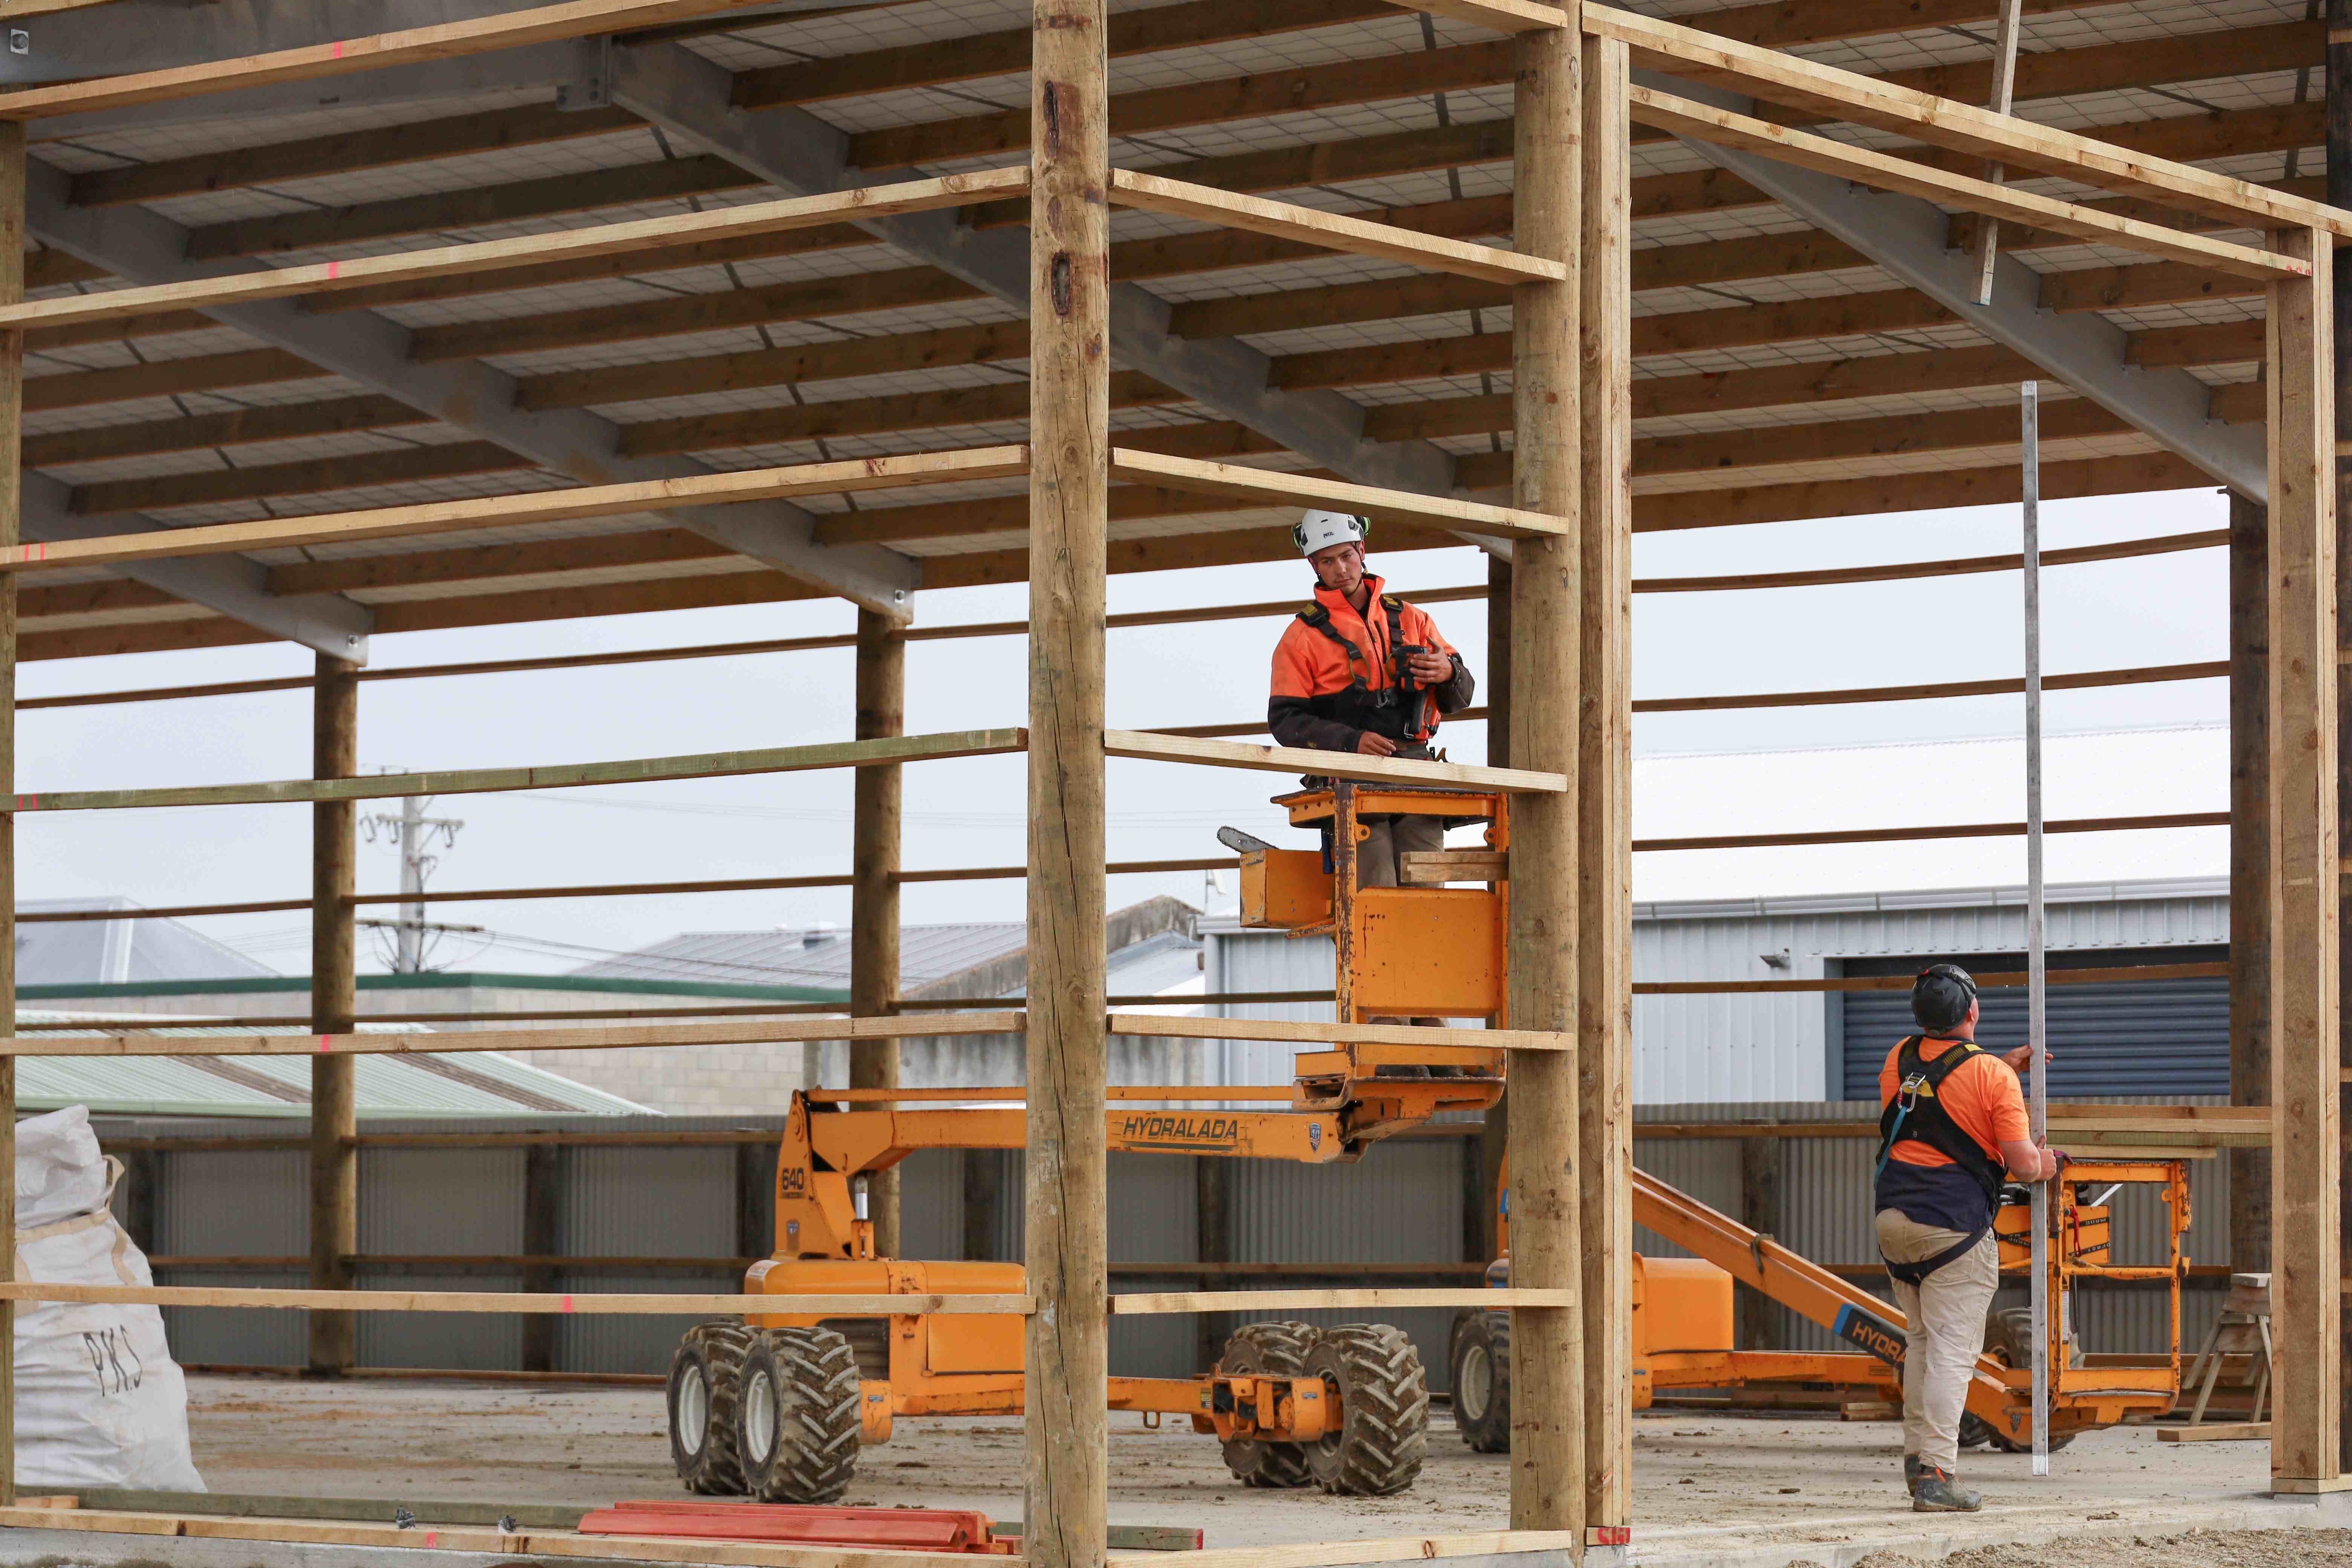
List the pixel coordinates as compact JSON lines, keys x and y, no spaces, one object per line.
{"x":1981,"y":1097}
{"x":1308,"y":666}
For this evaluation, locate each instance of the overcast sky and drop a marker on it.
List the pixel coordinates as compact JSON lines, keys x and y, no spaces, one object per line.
{"x":1700,"y":772}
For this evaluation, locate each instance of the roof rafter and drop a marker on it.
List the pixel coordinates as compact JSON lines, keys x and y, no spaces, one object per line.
{"x":236,"y":587}
{"x":1908,"y":236}
{"x":692,"y":98}
{"x":144,"y":247}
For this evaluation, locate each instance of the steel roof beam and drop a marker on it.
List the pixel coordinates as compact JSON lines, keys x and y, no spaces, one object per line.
{"x":1911,"y":239}
{"x":231,"y":585}
{"x":693,"y":98}
{"x":140,"y":246}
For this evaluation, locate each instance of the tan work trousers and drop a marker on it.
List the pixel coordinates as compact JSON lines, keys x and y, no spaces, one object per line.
{"x":1376,"y":857}
{"x":1947,"y":1319}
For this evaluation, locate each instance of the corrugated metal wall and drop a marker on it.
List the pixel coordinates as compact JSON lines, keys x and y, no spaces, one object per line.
{"x":2138,"y":1039}
{"x":1766,"y":1047}
{"x":1825,"y":1215}
{"x":1403,"y":1203}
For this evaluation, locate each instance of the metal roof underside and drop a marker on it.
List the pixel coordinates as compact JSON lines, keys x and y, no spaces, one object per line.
{"x":137,"y":424}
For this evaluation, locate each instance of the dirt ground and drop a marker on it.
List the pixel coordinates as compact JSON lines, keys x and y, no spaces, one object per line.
{"x":2241,"y":1549}
{"x":1796,"y":1479}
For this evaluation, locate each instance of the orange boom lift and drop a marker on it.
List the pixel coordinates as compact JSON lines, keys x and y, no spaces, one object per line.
{"x":776,"y":1407}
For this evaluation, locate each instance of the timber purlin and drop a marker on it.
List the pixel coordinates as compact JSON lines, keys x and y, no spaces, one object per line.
{"x":478,"y":781}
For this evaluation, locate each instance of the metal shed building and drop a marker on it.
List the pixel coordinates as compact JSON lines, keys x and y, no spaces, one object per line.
{"x":2141,"y":1039}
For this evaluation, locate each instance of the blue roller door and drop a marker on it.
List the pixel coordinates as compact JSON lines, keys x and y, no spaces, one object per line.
{"x":2134,"y":1037}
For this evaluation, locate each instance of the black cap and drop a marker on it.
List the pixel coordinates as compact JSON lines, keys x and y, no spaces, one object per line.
{"x":1941,"y":996}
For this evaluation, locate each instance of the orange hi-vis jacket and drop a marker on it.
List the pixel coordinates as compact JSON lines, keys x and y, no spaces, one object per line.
{"x":1338,"y":673}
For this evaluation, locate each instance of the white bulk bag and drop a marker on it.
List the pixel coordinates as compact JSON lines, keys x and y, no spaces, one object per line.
{"x":100,"y":1401}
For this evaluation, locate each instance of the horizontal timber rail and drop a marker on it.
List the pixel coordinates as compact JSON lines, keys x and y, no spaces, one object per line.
{"x":934,"y":1004}
{"x":1954,"y":830}
{"x":1306,"y":1031}
{"x":1284,"y":608}
{"x":429,"y":1263}
{"x":1275,"y":488}
{"x":1829,"y":577}
{"x":2085,"y":681}
{"x":1155,"y":1303}
{"x":532,"y":1542}
{"x":1503,"y":16}
{"x":1146,"y":746}
{"x":749,"y":1032}
{"x":1146,"y":868}
{"x":529,"y":251}
{"x":2020,"y":144}
{"x":576,"y":19}
{"x":496,"y":1301}
{"x":1904,"y":982}
{"x":615,"y":890}
{"x":1886,"y":172}
{"x":2137,"y":1121}
{"x":532,"y":508}
{"x":722,"y":1010}
{"x":485,"y":780}
{"x":1332,"y":231}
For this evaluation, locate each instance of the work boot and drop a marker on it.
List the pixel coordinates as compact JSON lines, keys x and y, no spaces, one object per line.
{"x":1937,"y":1493}
{"x":1911,"y":1472}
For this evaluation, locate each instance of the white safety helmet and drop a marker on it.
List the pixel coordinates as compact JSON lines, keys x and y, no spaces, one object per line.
{"x":1320,"y":530}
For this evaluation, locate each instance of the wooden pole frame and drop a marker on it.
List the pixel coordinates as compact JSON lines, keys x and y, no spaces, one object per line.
{"x":334,"y":1010}
{"x":1067,"y":1365}
{"x":1550,"y":1478}
{"x":1604,"y":801}
{"x":2306,"y":1305}
{"x":876,"y":796}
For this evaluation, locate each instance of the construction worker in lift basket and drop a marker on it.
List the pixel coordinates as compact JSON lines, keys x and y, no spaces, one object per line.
{"x":1952,"y":1129}
{"x":1361,"y":671}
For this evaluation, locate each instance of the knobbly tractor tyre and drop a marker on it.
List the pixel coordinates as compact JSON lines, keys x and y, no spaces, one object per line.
{"x":1481,"y":1363}
{"x":1268,"y":1350}
{"x":798,"y":1415}
{"x":706,"y":1377}
{"x":2009,"y":1340}
{"x":1383,"y":1394}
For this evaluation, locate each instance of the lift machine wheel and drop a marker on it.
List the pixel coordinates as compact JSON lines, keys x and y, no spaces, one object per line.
{"x":1482,"y":1380}
{"x":1383,"y":1394}
{"x":706,"y":1378}
{"x":798,"y":1416}
{"x":1270,"y":1349}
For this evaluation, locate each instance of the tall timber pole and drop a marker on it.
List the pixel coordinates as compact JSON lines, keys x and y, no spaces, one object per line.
{"x":1547,"y":1370}
{"x":1067,"y":1364}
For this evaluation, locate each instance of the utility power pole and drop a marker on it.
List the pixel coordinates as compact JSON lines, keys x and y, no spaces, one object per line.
{"x":416,"y":833}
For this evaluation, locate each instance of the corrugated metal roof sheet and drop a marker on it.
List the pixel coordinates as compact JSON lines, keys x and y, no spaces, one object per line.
{"x":113,"y":953}
{"x":474,"y":1083}
{"x":819,"y":955}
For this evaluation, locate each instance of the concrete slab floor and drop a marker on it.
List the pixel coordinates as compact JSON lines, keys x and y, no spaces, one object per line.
{"x":1703,"y":1482}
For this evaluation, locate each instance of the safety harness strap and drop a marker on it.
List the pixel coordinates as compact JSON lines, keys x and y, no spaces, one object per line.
{"x":1916,"y":1274}
{"x":1350,"y":705}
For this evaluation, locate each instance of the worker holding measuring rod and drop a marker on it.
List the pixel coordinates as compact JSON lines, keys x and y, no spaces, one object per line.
{"x":1954,"y":1128}
{"x":1361,"y":671}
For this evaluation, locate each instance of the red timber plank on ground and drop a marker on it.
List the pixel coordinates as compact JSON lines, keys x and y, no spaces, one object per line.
{"x":798,"y":1525}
